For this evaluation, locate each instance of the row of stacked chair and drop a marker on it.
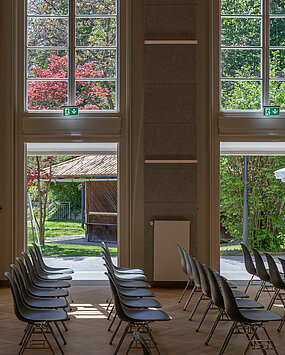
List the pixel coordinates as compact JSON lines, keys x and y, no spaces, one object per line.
{"x":40,"y":298}
{"x":247,"y":316}
{"x":133,"y":303}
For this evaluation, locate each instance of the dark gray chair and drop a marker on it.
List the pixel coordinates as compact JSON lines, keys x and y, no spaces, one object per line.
{"x":262,"y":274}
{"x":46,"y":268}
{"x":247,"y":322}
{"x":196,"y":280}
{"x":249,"y":265}
{"x":184,"y":269}
{"x":138,"y":337}
{"x":217,"y":298}
{"x":37,"y":320}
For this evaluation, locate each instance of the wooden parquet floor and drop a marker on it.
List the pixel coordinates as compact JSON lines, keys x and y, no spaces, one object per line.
{"x":88,"y":327}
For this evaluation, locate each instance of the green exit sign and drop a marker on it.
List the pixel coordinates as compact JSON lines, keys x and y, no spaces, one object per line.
{"x":70,"y":111}
{"x":271,"y":110}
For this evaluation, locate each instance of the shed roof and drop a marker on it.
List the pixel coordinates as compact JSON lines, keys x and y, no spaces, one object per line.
{"x":86,"y":167}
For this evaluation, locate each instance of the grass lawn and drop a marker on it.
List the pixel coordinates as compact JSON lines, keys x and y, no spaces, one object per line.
{"x":59,"y":228}
{"x":60,"y":250}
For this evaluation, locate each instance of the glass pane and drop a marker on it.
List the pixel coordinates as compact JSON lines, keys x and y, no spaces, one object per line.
{"x":47,"y":64}
{"x":96,"y":95}
{"x":87,"y":7}
{"x":240,"y":32}
{"x":277,"y":7}
{"x":50,"y":7}
{"x":96,"y":32}
{"x":240,"y":95}
{"x":241,"y":7}
{"x":241,"y":63}
{"x":95,"y":63}
{"x":277,"y":31}
{"x":47,"y":95}
{"x":277,"y":63}
{"x":47,"y":32}
{"x":277,"y":93}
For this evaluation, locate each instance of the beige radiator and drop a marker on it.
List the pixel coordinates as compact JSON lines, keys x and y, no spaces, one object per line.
{"x":167,"y":265}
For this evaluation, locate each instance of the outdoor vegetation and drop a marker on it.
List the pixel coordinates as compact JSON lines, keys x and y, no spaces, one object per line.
{"x":266,"y":197}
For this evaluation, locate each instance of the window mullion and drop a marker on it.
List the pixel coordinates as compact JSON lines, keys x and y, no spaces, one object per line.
{"x":71,"y":69}
{"x":265,"y":54}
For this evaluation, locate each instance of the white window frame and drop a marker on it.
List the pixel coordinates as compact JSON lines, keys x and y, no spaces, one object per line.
{"x":265,"y":61}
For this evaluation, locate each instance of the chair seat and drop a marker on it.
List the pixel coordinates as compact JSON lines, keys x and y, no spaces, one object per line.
{"x":48,"y":292}
{"x":51,"y":284}
{"x":128,"y":270}
{"x":133,"y":284}
{"x":261,"y":315}
{"x":146,"y":315}
{"x":121,"y":276}
{"x":51,"y":315}
{"x":247,"y":303}
{"x":140,"y":303}
{"x":46,"y":302}
{"x":55,"y":270}
{"x":136,"y":292}
{"x":239,"y":294}
{"x":55,"y":277}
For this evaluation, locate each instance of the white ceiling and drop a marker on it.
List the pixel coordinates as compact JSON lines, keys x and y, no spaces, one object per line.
{"x":252,"y":148}
{"x":71,"y":148}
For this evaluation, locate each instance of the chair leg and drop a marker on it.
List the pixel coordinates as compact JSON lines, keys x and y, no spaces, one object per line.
{"x":64,"y":326}
{"x":280,"y":325}
{"x":188,"y":282}
{"x":113,"y":320}
{"x":189,"y":298}
{"x":115,"y":332}
{"x":26,"y":331}
{"x":273,"y":299}
{"x":250,"y":339}
{"x":46,"y":338}
{"x":228,"y":338}
{"x":122,"y":339}
{"x":60,"y":333}
{"x":258,"y":293}
{"x":29,"y":334}
{"x":55,"y":338}
{"x":204,"y":315}
{"x":271,"y":341}
{"x":196,"y":306}
{"x":109,"y":315}
{"x":214,"y":327}
{"x":153,"y":339}
{"x":249,"y":282}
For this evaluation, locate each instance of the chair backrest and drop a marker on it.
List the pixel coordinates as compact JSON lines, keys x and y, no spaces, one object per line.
{"x":182,"y":258}
{"x":25,"y":274}
{"x":39,"y":255}
{"x":275,"y":277}
{"x":17,"y":301}
{"x":20,"y":282}
{"x":142,"y":341}
{"x":30,"y":267}
{"x":187,"y":263}
{"x":250,"y":268}
{"x":282,"y":261}
{"x":205,"y":285}
{"x":231,"y":307}
{"x":260,"y":267}
{"x":195,"y":272}
{"x":35,"y":261}
{"x":216,"y":293}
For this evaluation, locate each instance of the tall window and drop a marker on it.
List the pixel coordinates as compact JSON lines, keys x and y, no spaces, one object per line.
{"x":72,"y":54}
{"x":252,"y":54}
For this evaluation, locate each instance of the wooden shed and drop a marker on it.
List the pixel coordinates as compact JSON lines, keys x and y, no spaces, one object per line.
{"x":98,"y":175}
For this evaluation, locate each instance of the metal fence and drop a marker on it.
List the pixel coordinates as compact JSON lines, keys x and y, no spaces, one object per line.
{"x":55,"y":210}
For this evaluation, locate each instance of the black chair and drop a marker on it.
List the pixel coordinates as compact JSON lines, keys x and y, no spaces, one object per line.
{"x":247,"y":322}
{"x":262,"y":274}
{"x":217,"y":298}
{"x":139,"y":318}
{"x":139,"y":338}
{"x":196,"y":280}
{"x":37,"y":320}
{"x":46,"y":268}
{"x":250,"y":268}
{"x":44,"y":274}
{"x":184,"y":269}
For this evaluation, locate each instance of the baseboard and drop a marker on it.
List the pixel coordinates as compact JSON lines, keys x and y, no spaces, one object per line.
{"x":168,"y":284}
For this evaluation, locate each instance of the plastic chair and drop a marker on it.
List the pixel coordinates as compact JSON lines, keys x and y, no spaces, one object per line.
{"x":247,"y":322}
{"x":134,"y":317}
{"x":46,"y":268}
{"x":43,"y":274}
{"x":40,"y":282}
{"x":40,"y":319}
{"x":184,"y":269}
{"x":217,"y":298}
{"x":39,"y":291}
{"x":250,"y":268}
{"x":261,"y":273}
{"x":138,"y":337}
{"x":196,"y":280}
